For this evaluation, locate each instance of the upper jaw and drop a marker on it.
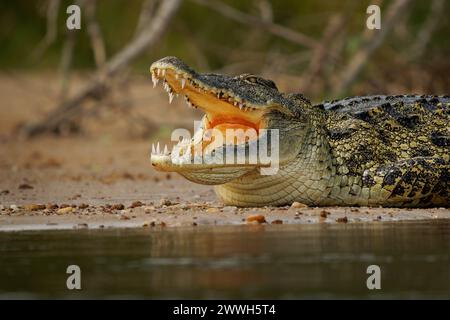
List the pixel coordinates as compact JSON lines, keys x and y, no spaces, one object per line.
{"x":179,"y":79}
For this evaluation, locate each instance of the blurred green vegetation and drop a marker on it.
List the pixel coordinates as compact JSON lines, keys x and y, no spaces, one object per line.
{"x":197,"y":34}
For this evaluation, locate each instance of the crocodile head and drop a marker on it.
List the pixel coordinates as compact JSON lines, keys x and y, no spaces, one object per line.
{"x":242,"y":114}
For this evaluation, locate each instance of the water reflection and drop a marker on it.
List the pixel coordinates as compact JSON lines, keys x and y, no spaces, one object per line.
{"x":282,"y":261}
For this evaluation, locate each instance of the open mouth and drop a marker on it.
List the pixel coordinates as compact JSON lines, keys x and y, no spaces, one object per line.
{"x":225,"y":112}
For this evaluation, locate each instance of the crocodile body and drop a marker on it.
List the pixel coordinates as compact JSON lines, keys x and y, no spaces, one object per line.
{"x":361,"y":151}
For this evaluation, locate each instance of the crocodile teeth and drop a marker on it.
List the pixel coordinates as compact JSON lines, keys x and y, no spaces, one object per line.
{"x":241,"y":106}
{"x":157,"y":148}
{"x":155,"y":80}
{"x":166,"y":151}
{"x":158,"y":72}
{"x":163,"y":72}
{"x":171,"y":95}
{"x":153,"y":149}
{"x":183,"y":83}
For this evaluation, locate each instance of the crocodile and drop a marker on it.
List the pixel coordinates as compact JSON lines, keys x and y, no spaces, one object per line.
{"x":378,"y":150}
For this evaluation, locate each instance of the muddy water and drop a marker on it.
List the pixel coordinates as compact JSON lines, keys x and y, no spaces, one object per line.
{"x":272,"y":261}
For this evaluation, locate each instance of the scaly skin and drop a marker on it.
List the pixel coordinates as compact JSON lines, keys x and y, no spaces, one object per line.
{"x":366,"y":151}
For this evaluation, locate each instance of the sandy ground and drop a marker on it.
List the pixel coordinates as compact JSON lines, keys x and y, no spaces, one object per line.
{"x":102,"y":177}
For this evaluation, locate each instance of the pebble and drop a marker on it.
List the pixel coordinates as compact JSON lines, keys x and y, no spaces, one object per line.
{"x":342,"y":220}
{"x":14,"y":207}
{"x":34,"y":207}
{"x":24,"y":186}
{"x":64,"y":210}
{"x":117,"y":206}
{"x":277,"y":221}
{"x":165,"y":202}
{"x":256,"y":217}
{"x":136,"y":204}
{"x":298,"y":205}
{"x":324,"y":214}
{"x":148,"y":209}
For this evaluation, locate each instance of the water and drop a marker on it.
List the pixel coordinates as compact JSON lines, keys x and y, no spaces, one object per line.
{"x":274,"y":261}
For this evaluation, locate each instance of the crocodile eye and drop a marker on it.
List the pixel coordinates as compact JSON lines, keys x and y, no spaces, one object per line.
{"x":258,"y":80}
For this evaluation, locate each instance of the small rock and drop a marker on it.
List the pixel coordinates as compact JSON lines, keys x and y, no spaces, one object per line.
{"x":51,"y":206}
{"x":148,"y":210}
{"x":210,"y":210}
{"x":83,"y":206}
{"x":256,"y":217}
{"x":65,"y":205}
{"x":298,"y":205}
{"x":324,"y":214}
{"x":25,"y":186}
{"x":82,"y":225}
{"x":64,"y":210}
{"x":342,"y":220}
{"x":117,"y":206}
{"x":14,"y":207}
{"x":277,"y":221}
{"x":34,"y":207}
{"x":165,"y":202}
{"x":4,"y":192}
{"x":136,"y":204}
{"x":124,"y":217}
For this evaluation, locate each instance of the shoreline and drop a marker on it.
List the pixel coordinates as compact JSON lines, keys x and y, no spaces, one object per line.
{"x":174,"y":215}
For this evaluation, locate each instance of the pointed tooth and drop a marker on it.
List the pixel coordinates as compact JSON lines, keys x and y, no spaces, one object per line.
{"x":158,"y":71}
{"x":153,"y":149}
{"x":177,"y":76}
{"x":154,"y":80}
{"x":183,"y":83}
{"x":163,"y":72}
{"x":171,"y":97}
{"x":157,"y":148}
{"x":166,"y":151}
{"x":240,"y":106}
